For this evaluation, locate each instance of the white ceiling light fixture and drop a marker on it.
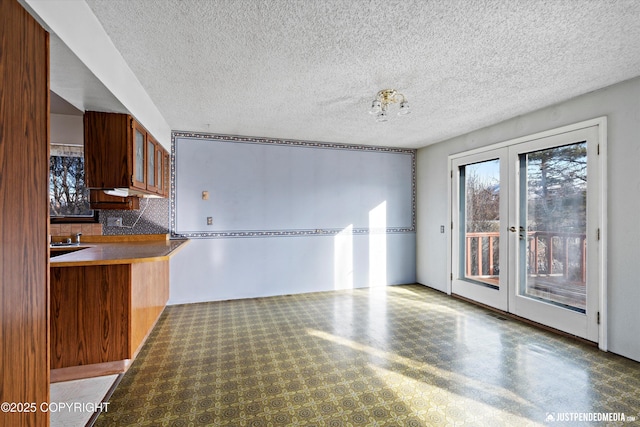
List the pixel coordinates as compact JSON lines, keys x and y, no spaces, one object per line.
{"x":383,"y":99}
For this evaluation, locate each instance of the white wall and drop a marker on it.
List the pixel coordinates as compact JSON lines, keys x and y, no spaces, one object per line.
{"x":67,"y":129}
{"x":289,"y":217}
{"x":621,"y":104}
{"x":222,"y":269}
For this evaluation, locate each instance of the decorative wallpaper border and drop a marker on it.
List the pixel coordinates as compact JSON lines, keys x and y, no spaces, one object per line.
{"x":287,"y":233}
{"x":293,"y":143}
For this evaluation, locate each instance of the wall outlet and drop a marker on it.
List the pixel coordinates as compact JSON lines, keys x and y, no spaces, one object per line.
{"x":209,"y":220}
{"x":113,"y":221}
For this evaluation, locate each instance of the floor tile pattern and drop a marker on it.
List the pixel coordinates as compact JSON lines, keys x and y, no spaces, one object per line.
{"x":390,"y":356}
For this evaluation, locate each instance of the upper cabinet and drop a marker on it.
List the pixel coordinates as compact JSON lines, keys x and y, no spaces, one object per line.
{"x":166,"y":173}
{"x":120,"y":154}
{"x":160,"y":170}
{"x":138,"y":175}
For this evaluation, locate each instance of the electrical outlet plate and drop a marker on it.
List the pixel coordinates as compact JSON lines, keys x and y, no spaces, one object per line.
{"x":209,"y":220}
{"x":113,"y":221}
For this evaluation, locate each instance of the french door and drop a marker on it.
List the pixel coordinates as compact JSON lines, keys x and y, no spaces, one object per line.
{"x":480,"y":219}
{"x":526,"y":229}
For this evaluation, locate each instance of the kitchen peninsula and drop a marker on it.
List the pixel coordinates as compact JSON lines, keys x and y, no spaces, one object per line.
{"x":106,"y":296}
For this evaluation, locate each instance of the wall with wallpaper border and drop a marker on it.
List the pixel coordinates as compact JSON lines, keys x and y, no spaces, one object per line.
{"x":289,"y":216}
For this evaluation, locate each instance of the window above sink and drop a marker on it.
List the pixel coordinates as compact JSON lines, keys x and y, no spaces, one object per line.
{"x":68,"y":196}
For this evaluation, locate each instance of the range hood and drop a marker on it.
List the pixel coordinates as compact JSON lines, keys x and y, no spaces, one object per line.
{"x":128,"y":192}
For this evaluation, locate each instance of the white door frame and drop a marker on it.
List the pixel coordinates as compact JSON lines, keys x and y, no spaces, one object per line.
{"x":601,"y":124}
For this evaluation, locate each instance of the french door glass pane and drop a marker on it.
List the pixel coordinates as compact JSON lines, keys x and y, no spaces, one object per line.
{"x":553,"y":201}
{"x":480,"y":229}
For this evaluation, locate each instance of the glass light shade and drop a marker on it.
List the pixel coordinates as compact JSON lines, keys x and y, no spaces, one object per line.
{"x":375,"y":107}
{"x":382,"y":116}
{"x":404,"y":108}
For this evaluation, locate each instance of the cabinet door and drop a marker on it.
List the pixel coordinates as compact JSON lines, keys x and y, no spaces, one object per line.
{"x":152,"y":184}
{"x":139,"y":147}
{"x":159,"y":169}
{"x":167,"y":173}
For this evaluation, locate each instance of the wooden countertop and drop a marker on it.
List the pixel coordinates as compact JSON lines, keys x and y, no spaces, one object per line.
{"x":107,"y":250}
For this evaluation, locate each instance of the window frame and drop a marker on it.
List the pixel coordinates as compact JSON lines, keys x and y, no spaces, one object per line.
{"x":56,"y":150}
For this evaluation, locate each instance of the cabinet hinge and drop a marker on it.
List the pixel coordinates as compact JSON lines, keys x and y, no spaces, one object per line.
{"x":452,"y":225}
{"x":598,"y":234}
{"x":451,"y":276}
{"x":452,"y":174}
{"x":598,"y":149}
{"x":598,"y":318}
{"x":132,"y":181}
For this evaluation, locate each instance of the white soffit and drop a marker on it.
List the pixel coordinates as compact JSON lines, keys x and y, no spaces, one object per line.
{"x":308,"y":70}
{"x":81,"y":50}
{"x":72,"y":81}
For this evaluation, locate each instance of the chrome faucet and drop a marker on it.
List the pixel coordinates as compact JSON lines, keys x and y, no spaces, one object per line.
{"x":78,"y":237}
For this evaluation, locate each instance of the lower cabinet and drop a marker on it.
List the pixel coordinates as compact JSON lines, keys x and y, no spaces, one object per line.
{"x":102,"y":314}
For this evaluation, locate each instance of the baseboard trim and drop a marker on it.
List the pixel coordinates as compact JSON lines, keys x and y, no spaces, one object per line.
{"x":89,"y":371}
{"x":527,"y":321}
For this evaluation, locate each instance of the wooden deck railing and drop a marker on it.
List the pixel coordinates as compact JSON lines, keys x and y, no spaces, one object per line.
{"x":545,"y":250}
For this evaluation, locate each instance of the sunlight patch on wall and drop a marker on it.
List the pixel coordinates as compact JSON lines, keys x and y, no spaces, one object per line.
{"x":378,"y":245}
{"x":343,"y":259}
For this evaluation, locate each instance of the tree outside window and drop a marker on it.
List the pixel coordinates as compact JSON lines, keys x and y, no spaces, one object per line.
{"x":68,"y":196}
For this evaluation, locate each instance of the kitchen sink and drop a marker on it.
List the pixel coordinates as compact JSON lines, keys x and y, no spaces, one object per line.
{"x":64,"y":249}
{"x":63,"y":244}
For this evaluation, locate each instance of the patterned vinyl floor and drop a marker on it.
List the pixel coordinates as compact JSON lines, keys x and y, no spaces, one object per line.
{"x":394,"y":356}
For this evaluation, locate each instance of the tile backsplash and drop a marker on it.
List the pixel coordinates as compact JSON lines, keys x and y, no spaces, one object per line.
{"x":71,"y":229}
{"x":151,"y":218}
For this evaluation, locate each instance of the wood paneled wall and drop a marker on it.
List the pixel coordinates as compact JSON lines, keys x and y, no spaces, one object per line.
{"x":24,"y":216}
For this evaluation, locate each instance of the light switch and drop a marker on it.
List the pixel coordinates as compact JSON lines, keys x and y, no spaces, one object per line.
{"x":442,"y":228}
{"x":205,"y":195}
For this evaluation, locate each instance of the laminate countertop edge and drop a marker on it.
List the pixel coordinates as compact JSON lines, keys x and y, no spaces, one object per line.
{"x":113,"y":253}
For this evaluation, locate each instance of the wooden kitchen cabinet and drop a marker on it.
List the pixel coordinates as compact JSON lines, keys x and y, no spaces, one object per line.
{"x":101,"y":314}
{"x":151,"y":165}
{"x":121,"y":154}
{"x":166,"y":174}
{"x":139,"y":173}
{"x":159,"y":164}
{"x":105,"y":298}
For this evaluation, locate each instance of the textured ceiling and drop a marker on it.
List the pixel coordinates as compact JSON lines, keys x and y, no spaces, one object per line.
{"x":308,"y":70}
